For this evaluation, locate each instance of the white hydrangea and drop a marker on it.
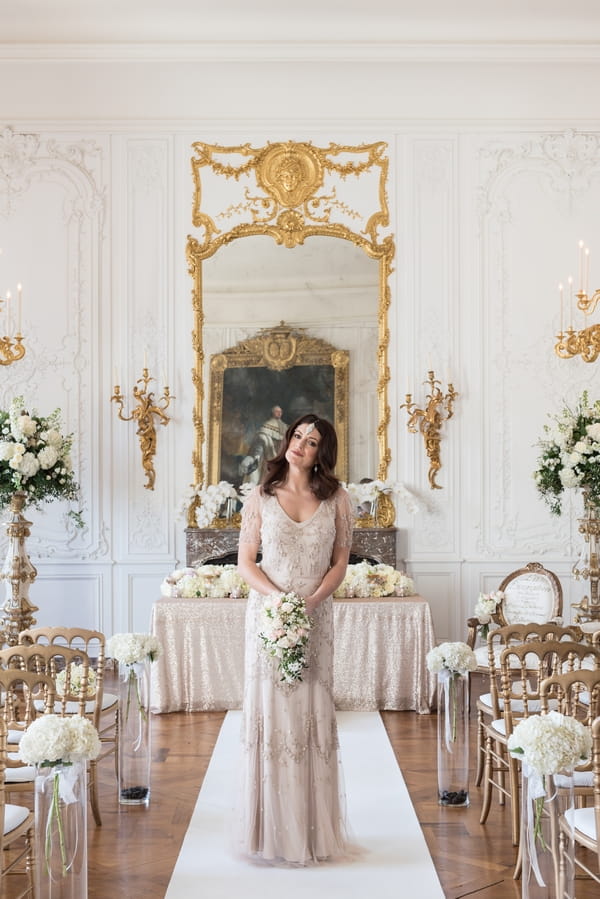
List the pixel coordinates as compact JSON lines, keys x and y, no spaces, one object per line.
{"x":551,"y":743}
{"x":47,"y":456}
{"x":455,"y":657}
{"x":131,"y":648}
{"x":51,"y":739}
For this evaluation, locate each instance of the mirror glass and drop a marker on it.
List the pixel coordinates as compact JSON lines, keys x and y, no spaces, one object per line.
{"x":327,"y":286}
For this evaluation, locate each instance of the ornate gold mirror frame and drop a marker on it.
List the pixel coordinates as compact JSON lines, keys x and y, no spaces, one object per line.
{"x":290,"y":191}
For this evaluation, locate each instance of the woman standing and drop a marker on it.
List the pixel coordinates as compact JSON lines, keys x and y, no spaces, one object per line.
{"x":291,"y":805}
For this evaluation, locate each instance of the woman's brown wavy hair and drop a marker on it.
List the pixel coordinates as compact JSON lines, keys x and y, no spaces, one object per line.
{"x":323,"y":481}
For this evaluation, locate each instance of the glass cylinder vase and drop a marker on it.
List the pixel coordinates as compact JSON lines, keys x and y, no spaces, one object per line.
{"x":453,"y":738}
{"x":61,"y":831}
{"x":134,"y":734}
{"x":547,"y":851}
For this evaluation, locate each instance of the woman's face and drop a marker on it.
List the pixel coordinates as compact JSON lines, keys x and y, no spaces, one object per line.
{"x":303,"y":447}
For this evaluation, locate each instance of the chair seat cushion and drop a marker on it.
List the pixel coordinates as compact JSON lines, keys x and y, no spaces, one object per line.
{"x":583,"y":820}
{"x":109,"y":700}
{"x":22,"y":774}
{"x":72,"y":707}
{"x":14,"y":815}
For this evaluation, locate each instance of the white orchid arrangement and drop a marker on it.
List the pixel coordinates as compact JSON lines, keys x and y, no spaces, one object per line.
{"x":485,"y":609}
{"x":74,"y":681}
{"x":205,"y":581}
{"x":570,"y":455}
{"x":35,"y":456}
{"x":209,"y":500}
{"x":286,"y":626}
{"x":374,"y":580}
{"x":456,"y":658}
{"x":370,"y":491}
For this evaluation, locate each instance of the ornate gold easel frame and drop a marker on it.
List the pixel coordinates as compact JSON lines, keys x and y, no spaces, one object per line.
{"x":298,"y":190}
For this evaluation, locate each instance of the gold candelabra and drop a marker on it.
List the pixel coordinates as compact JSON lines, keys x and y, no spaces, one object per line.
{"x":144,"y":414}
{"x":429,"y":422}
{"x":586,"y":342}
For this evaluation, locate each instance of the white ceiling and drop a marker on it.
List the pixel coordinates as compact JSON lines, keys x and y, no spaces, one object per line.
{"x":50,"y":22}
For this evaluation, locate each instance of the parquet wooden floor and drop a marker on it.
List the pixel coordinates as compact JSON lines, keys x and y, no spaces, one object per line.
{"x":134,"y":852}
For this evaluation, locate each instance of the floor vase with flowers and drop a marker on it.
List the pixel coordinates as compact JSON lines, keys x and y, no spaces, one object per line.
{"x":453,"y":738}
{"x":134,"y":734}
{"x":61,"y":830}
{"x":547,"y":872}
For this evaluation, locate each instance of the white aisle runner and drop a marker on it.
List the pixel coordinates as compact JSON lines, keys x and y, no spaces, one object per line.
{"x":381,"y":816}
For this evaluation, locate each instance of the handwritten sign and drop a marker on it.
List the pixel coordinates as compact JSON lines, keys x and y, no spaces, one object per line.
{"x":529,"y":597}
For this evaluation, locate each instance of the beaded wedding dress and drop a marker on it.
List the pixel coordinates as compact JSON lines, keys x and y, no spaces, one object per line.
{"x":291,"y":806}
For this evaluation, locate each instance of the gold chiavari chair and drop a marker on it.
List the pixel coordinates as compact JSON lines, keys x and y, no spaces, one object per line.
{"x":584,"y":823}
{"x":16,"y":834}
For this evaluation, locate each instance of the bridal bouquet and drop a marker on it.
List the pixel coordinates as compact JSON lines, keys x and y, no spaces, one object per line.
{"x":35,"y":456}
{"x":570,"y":454}
{"x":374,"y":580}
{"x":485,"y":608}
{"x":286,"y":625}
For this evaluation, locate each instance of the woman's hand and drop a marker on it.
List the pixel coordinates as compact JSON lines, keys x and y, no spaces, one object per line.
{"x":311,"y":604}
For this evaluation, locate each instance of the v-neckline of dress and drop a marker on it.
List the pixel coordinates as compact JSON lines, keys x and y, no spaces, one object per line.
{"x":293,"y":520}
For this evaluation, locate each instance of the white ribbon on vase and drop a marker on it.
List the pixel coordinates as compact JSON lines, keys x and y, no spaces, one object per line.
{"x":535,"y":790}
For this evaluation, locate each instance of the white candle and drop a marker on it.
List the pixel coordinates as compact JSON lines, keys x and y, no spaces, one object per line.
{"x":570,"y":283}
{"x":561,"y":294}
{"x":8,"y":313}
{"x":164,"y":378}
{"x":586,"y":273}
{"x":580,"y":266}
{"x":145,"y":358}
{"x":19,"y":304}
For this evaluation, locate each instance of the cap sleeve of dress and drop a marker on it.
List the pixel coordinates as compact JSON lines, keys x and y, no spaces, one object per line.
{"x":251,"y":517}
{"x":344,"y":518}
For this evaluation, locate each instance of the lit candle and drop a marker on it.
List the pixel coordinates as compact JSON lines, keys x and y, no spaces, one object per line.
{"x":561,"y":293}
{"x":580,"y":273}
{"x":20,"y":301}
{"x":570,"y":283}
{"x":145,"y":358}
{"x":586,"y":273}
{"x":8,"y":313}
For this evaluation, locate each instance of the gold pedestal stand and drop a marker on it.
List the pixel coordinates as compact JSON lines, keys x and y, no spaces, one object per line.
{"x":587,"y":568}
{"x":18,"y":574}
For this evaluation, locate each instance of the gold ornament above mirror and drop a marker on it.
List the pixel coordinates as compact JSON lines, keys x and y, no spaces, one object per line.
{"x":289,"y":191}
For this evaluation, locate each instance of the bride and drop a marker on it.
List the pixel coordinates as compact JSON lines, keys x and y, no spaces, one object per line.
{"x":291,"y":809}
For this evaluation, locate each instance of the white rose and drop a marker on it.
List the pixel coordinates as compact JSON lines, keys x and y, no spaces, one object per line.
{"x":574,"y":458}
{"x":52,"y":437}
{"x":568,"y":478}
{"x":7,"y":449}
{"x":47,"y":457}
{"x":594,"y":432}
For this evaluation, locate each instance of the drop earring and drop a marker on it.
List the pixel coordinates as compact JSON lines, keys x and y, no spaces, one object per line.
{"x":315,"y":468}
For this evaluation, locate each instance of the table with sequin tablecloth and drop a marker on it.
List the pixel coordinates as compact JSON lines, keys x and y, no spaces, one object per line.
{"x":379,"y":661}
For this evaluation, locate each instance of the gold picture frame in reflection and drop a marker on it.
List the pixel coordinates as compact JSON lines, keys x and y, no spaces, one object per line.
{"x":260,"y":386}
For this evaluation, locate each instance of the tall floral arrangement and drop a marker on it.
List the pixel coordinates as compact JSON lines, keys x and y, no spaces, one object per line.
{"x":35,"y":456}
{"x":570,"y":454}
{"x":210,"y":500}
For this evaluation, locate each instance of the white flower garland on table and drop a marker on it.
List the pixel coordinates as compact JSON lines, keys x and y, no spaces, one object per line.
{"x":286,"y":626}
{"x":131,"y":649}
{"x":205,"y":581}
{"x":485,"y":608}
{"x":370,"y":579}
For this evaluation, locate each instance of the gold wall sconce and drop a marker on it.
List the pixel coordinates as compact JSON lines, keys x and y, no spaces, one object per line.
{"x":145,"y":412}
{"x":11,"y":347}
{"x":586,"y":342}
{"x":429,"y":422}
